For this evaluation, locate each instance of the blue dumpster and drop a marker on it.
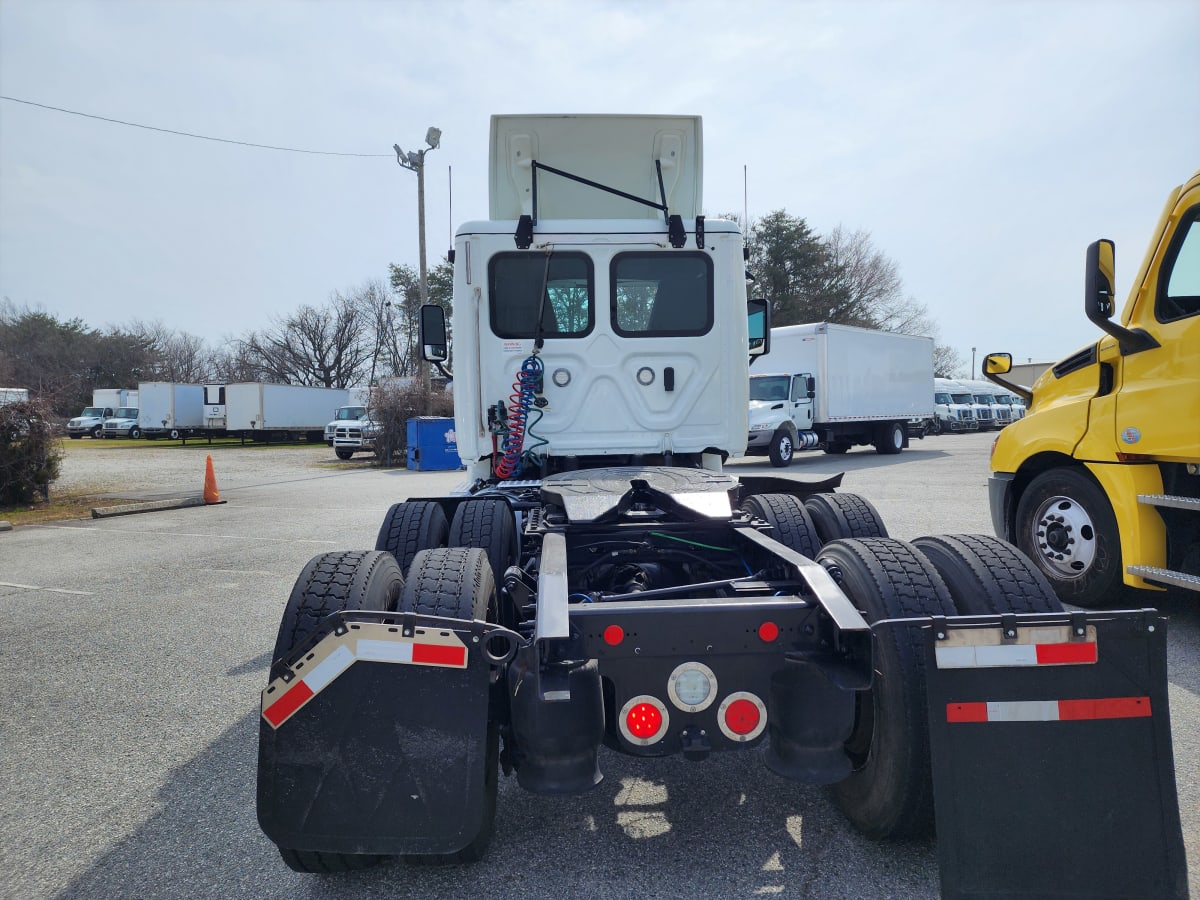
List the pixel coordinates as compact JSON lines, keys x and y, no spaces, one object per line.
{"x":432,"y":444}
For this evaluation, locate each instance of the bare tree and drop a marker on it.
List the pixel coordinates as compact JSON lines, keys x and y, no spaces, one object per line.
{"x":177,"y":356}
{"x":328,"y":347}
{"x":233,"y":363}
{"x":946,"y":362}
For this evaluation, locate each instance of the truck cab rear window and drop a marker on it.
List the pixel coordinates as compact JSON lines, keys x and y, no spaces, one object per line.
{"x":515,"y":283}
{"x":661,"y":294}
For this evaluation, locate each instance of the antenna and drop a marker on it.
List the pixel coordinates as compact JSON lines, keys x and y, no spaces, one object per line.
{"x":450,"y":202}
{"x":745,"y":199}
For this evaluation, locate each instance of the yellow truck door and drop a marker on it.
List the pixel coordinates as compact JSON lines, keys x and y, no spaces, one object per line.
{"x":1158,"y":404}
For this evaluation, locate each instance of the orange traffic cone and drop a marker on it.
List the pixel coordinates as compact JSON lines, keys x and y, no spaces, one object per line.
{"x":211,"y":494}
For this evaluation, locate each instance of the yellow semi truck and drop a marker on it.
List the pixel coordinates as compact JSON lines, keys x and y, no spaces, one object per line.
{"x":1100,"y":483}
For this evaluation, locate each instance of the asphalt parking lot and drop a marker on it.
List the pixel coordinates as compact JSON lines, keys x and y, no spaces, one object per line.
{"x":133,"y":651}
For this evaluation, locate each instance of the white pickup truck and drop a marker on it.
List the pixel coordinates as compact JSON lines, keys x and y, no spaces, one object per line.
{"x":351,"y":431}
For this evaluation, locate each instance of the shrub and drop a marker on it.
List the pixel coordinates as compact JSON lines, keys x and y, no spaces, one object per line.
{"x":392,"y":405}
{"x":30,"y":454}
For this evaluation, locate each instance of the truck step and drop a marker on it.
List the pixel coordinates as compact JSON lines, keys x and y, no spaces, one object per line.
{"x":1189,"y":503}
{"x":1167,"y":576}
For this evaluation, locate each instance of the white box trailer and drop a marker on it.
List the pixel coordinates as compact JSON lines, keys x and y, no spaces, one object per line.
{"x":265,"y":411}
{"x":833,"y":387}
{"x":170,"y":409}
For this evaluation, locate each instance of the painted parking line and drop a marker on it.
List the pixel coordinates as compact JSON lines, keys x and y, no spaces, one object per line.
{"x":35,"y":587}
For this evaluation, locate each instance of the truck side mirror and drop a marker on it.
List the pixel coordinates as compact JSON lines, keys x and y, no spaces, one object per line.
{"x":997,"y":364}
{"x":433,"y":333}
{"x":810,"y":385}
{"x":758,"y":312}
{"x":1099,"y":280}
{"x":1098,"y":293}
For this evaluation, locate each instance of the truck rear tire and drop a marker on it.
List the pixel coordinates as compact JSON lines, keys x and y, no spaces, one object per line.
{"x":782,"y":448}
{"x":456,"y":582}
{"x":489,"y":525}
{"x":844,"y":516}
{"x":362,"y":579}
{"x":890,"y":438}
{"x":985,"y":575}
{"x":792,"y":525}
{"x":343,"y":579}
{"x":315,"y":862}
{"x":173,"y":434}
{"x":889,"y":792}
{"x":410,"y":527}
{"x":1065,"y":524}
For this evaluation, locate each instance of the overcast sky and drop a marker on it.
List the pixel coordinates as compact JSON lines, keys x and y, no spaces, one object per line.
{"x":983,"y":145}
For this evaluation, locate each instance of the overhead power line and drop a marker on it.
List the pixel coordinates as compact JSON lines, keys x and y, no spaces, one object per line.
{"x":201,"y":137}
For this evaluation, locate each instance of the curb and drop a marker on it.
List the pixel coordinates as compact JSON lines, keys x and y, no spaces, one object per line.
{"x":5,"y":525}
{"x":129,"y":509}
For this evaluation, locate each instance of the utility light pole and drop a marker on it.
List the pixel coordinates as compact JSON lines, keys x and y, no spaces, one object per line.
{"x":972,"y":359}
{"x":414,"y":161}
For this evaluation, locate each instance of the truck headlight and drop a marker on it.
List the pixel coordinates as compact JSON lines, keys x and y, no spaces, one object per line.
{"x":762,"y":426}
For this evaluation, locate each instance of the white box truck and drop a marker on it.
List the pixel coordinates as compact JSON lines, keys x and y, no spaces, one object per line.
{"x":264,"y":411}
{"x":833,"y":386}
{"x":124,"y":421}
{"x":105,"y":403}
{"x":170,"y":409}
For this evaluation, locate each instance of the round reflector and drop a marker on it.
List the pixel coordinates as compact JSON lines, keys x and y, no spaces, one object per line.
{"x":742,"y":716}
{"x":768,"y":631}
{"x":613,"y":635}
{"x":644,"y":720}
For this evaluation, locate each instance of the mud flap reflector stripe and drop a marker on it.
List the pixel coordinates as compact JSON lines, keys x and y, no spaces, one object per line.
{"x":1049,"y":710}
{"x":363,"y":642}
{"x":989,"y":648}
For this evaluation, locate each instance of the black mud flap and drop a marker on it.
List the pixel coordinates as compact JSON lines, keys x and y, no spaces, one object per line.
{"x":374,"y":739}
{"x":1052,"y":764}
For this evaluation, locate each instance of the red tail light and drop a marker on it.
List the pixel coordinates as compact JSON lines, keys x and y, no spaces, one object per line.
{"x":742,"y":716}
{"x":644,"y":720}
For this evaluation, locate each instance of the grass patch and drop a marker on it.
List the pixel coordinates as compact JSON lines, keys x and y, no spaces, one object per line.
{"x":65,"y":506}
{"x":135,"y":444}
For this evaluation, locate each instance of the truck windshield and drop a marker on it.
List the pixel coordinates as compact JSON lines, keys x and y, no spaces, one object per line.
{"x":942,"y":398}
{"x":516,"y":281}
{"x":350,"y":412}
{"x":964,"y":398}
{"x":986,"y":399}
{"x":92,"y":412}
{"x":769,"y":387}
